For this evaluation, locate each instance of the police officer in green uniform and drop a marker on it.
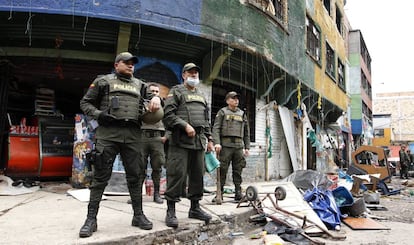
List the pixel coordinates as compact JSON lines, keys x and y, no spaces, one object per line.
{"x":153,"y":140}
{"x":115,"y":101}
{"x":404,"y":162}
{"x":186,"y":114}
{"x":232,"y":141}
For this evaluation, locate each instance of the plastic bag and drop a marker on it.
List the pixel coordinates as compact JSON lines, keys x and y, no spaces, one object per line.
{"x":324,"y":205}
{"x":211,"y":162}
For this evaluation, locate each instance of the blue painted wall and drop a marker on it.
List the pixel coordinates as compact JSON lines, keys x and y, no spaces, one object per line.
{"x":154,"y":13}
{"x":356,"y":125}
{"x":230,"y":22}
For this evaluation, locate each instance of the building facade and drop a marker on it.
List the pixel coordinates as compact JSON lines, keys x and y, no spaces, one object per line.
{"x":287,"y":59}
{"x":398,"y":105}
{"x":360,"y":89}
{"x":383,"y":131}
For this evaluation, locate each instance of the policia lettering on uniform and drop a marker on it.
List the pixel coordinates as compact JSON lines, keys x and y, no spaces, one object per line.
{"x":186,"y":115}
{"x":116,"y":101}
{"x":193,"y":110}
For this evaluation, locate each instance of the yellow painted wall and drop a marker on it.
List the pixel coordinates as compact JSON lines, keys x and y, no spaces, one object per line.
{"x":329,"y":33}
{"x":383,"y":141}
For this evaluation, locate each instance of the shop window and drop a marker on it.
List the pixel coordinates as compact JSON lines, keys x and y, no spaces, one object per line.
{"x":313,"y":43}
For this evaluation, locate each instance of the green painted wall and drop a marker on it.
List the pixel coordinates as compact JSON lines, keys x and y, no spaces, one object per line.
{"x":248,"y":28}
{"x":356,"y":106}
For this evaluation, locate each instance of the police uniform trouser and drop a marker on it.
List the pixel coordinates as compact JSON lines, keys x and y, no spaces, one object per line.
{"x":154,"y":148}
{"x":404,"y":170}
{"x":134,"y":170}
{"x":234,"y":156}
{"x":180,"y":163}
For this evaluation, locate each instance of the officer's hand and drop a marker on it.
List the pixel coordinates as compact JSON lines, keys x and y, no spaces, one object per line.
{"x":217,"y":148}
{"x":210,"y":146}
{"x":105,"y":118}
{"x":154,"y":104}
{"x":190,"y":130}
{"x":246,"y":152}
{"x":164,"y":139}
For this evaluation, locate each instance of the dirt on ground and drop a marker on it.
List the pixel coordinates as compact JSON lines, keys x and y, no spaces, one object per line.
{"x":399,"y":207}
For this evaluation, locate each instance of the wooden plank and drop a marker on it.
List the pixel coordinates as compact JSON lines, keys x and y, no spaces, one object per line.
{"x":364,"y":224}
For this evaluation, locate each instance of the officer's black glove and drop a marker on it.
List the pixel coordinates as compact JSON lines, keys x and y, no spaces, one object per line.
{"x":105,"y":119}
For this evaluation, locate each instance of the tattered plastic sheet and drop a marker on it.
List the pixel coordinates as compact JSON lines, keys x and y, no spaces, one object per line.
{"x":7,"y":189}
{"x":323,"y":203}
{"x":309,"y":179}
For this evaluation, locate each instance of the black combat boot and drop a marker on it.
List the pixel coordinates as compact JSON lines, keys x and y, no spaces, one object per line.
{"x":90,"y":225}
{"x":238,"y":194}
{"x":197,"y":213}
{"x":141,"y":221}
{"x":157,"y":197}
{"x":139,"y":218}
{"x":170,"y":219}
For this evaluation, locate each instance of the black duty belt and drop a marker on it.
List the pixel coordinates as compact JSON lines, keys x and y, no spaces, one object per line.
{"x":232,"y":139}
{"x":126,"y":123}
{"x":151,"y":133}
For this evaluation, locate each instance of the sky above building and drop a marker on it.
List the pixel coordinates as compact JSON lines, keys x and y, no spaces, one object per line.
{"x":387,"y":30}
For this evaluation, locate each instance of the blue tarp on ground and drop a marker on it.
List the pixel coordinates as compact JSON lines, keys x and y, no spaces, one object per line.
{"x":324,"y":205}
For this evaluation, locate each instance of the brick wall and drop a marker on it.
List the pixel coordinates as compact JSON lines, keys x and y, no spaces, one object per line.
{"x":400,"y":106}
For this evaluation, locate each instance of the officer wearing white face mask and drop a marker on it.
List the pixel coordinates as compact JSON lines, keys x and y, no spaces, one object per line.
{"x":186,"y":115}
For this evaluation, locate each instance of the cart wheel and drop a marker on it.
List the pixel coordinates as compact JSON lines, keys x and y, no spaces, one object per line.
{"x":280,"y":193}
{"x":251,"y":193}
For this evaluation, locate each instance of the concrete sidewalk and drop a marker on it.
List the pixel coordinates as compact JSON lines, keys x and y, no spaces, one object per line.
{"x":51,"y":216}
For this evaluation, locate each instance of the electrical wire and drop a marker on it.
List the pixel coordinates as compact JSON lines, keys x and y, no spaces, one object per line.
{"x":11,"y":11}
{"x":29,"y":25}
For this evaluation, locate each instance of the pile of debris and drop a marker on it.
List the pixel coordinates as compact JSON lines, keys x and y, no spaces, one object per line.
{"x":309,"y":204}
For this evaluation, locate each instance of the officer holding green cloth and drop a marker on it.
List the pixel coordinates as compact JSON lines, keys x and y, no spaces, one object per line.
{"x":186,"y":115}
{"x":232,"y":141}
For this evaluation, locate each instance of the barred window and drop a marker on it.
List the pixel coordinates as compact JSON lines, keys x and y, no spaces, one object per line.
{"x":275,"y":8}
{"x":313,"y":43}
{"x":330,"y":61}
{"x":341,"y":75}
{"x":327,"y":5}
{"x":379,"y":132}
{"x":279,"y":9}
{"x":338,"y":21}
